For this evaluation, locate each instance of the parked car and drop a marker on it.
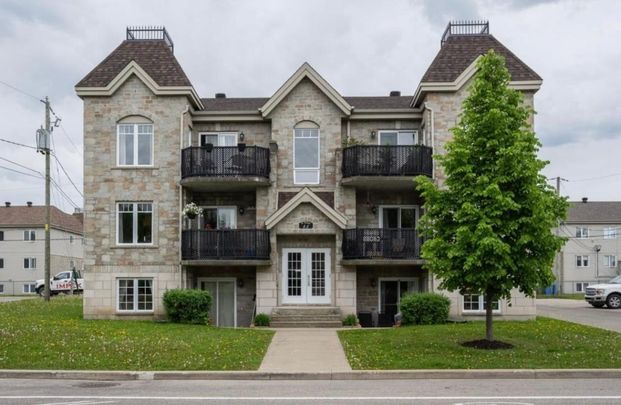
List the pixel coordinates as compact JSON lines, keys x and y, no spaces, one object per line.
{"x":608,"y":294}
{"x":65,"y":281}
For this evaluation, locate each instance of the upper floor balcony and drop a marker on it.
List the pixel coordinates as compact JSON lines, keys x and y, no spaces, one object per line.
{"x":225,"y":247}
{"x":385,"y":166}
{"x":225,"y":167}
{"x":386,"y":246}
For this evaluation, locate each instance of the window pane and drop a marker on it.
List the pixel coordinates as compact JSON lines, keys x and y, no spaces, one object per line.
{"x":126,"y":227}
{"x":406,"y":138}
{"x":210,"y":218}
{"x":145,"y":220}
{"x":126,"y":144}
{"x":209,"y":138}
{"x":126,"y":295}
{"x":26,"y":263}
{"x":388,"y":138}
{"x":226,"y":218}
{"x":390,"y":217}
{"x":306,"y":152}
{"x":144,"y":149}
{"x":408,"y":218}
{"x":227,"y":139}
{"x":145,"y":295}
{"x":306,"y":176}
{"x":33,"y":263}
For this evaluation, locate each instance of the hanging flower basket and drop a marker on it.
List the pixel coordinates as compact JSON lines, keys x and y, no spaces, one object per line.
{"x":191,"y":210}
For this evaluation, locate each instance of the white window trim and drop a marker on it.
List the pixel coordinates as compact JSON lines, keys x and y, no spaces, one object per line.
{"x":135,"y":223}
{"x":317,"y":169}
{"x":381,"y":213}
{"x":417,"y":140}
{"x":219,"y":207}
{"x":607,"y":263}
{"x":588,"y":260}
{"x":582,"y":234}
{"x":118,"y":147}
{"x":200,"y":136}
{"x":30,"y":261}
{"x":481,"y":304}
{"x":31,"y":286}
{"x":214,"y":300}
{"x":379,"y":289}
{"x":136,"y":310}
{"x":31,"y":232}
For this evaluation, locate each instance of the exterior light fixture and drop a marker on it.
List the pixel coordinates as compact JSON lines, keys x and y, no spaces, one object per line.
{"x":241,"y":136}
{"x":240,"y":283}
{"x":372,"y":134}
{"x":241,"y":147}
{"x":374,"y":209}
{"x":241,"y":210}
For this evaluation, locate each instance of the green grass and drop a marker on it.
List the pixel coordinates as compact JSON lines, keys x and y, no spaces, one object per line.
{"x":544,"y":343}
{"x":578,"y":296}
{"x":39,"y":335}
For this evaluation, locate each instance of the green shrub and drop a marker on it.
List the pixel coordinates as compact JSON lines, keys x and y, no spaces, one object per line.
{"x":424,"y":309}
{"x":187,"y":306}
{"x":262,"y":320}
{"x":350,"y":320}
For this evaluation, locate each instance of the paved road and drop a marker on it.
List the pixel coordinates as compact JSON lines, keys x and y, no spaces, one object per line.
{"x":580,"y":312}
{"x":515,"y":391}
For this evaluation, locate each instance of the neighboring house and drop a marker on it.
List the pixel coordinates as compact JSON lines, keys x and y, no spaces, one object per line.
{"x":310,"y":211}
{"x":22,"y":245}
{"x":593,"y":229}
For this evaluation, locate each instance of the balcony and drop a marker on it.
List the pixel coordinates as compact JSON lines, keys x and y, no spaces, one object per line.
{"x":385,"y":166}
{"x":210,"y":168}
{"x":365,"y":246}
{"x":217,"y":247}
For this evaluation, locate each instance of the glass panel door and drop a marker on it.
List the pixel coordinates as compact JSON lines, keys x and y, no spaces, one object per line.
{"x":388,"y":138}
{"x":390,"y":218}
{"x":318,"y":274}
{"x":306,"y":276}
{"x":212,"y":288}
{"x":226,"y":303}
{"x":227,"y":139}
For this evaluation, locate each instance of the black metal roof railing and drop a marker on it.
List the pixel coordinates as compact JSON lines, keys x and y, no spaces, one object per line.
{"x":154,"y":33}
{"x":466,"y":27}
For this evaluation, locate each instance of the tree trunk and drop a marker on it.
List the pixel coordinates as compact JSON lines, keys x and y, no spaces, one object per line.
{"x":489,"y":325}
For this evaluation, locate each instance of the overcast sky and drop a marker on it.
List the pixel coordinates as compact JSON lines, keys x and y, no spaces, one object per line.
{"x":249,"y":48}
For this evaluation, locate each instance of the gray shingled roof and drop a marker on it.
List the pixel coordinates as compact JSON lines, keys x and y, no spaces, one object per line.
{"x":604,"y":212}
{"x":154,"y":56}
{"x":254,"y":103}
{"x":459,"y":51}
{"x":24,"y":216}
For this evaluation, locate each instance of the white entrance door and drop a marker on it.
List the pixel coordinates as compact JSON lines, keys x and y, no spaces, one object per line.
{"x":223,"y":300}
{"x":306,"y":276}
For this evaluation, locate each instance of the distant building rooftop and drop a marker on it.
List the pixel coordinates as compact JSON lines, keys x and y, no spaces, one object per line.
{"x":21,"y":216}
{"x":594,"y":212}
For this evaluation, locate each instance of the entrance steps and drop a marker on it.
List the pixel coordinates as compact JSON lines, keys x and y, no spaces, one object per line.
{"x":306,"y":317}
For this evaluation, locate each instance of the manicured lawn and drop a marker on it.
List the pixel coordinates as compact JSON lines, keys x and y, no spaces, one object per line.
{"x":544,"y":343}
{"x":36,"y":335}
{"x":578,"y":296}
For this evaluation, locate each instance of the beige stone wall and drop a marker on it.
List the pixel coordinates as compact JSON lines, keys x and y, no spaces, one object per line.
{"x":105,"y":184}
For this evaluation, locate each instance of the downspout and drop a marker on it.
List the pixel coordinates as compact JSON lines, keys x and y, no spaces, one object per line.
{"x":182,"y":279}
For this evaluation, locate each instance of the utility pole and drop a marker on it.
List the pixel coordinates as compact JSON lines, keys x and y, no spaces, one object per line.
{"x":560,"y":262}
{"x":46,"y":151}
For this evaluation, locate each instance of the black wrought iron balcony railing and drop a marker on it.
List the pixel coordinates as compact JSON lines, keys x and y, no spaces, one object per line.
{"x":387,"y":160}
{"x":225,"y":161}
{"x":229,"y":244}
{"x":381,"y":243}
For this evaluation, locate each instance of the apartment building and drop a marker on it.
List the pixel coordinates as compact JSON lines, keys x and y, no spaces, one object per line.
{"x":309,"y":210}
{"x":593,"y":246}
{"x":22,"y":245}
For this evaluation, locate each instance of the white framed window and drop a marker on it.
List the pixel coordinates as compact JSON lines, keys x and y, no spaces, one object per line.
{"x":581,"y":287}
{"x":30,"y":262}
{"x":28,"y":288}
{"x":610,"y":232}
{"x":218,"y":138}
{"x":582,"y":232}
{"x":476,"y":303}
{"x":134,"y":223}
{"x":398,"y":137}
{"x":218,"y":218}
{"x":582,"y":261}
{"x":30,"y":235}
{"x":398,"y":216}
{"x":134,"y":144}
{"x":306,"y":147}
{"x":610,"y":260}
{"x":134,"y":295}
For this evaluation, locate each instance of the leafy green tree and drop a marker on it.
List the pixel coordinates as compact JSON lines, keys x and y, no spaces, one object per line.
{"x":489,"y":228}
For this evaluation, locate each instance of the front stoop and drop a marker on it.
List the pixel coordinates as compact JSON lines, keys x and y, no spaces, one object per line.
{"x":306,"y":317}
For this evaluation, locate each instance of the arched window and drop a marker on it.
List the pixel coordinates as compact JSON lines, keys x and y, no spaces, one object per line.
{"x":134,"y":140}
{"x":306,"y":157}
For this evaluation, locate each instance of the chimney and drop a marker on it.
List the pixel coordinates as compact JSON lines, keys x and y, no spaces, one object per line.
{"x":7,"y":204}
{"x":220,"y":95}
{"x":585,"y":199}
{"x":395,"y":93}
{"x":29,"y":203}
{"x":77,"y":210}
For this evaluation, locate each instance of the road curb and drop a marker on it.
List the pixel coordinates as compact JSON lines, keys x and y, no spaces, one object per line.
{"x":347,"y":375}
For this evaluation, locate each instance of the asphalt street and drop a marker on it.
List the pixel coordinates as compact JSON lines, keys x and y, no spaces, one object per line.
{"x":580,"y":312}
{"x":494,"y":391}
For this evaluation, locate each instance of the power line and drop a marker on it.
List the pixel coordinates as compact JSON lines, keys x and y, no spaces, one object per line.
{"x":68,"y":137}
{"x":18,"y":144}
{"x":67,"y":174}
{"x":25,"y":93}
{"x":17,"y":171}
{"x":21,"y":165}
{"x":597,"y":178}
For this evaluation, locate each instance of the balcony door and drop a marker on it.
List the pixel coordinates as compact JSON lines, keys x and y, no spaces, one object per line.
{"x":218,"y":218}
{"x":398,"y":217}
{"x":398,"y":138}
{"x":391,"y":290}
{"x":306,"y":276}
{"x":218,"y":138}
{"x":223,"y":300}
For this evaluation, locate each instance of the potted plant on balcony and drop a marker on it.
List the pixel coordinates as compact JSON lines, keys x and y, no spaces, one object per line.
{"x":191,"y":210}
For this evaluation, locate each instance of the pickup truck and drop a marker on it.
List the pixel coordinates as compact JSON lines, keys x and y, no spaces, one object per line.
{"x":608,"y":294}
{"x":64,"y":281}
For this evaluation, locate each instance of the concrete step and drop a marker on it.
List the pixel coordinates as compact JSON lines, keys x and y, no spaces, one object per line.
{"x":306,"y":324}
{"x":306,"y":310}
{"x":336,"y":318}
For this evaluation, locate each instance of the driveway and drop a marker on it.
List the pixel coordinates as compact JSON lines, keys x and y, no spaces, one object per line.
{"x":580,"y":312}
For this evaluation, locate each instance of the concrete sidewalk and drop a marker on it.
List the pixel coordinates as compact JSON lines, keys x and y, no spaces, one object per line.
{"x":580,"y":312}
{"x":305,"y":351}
